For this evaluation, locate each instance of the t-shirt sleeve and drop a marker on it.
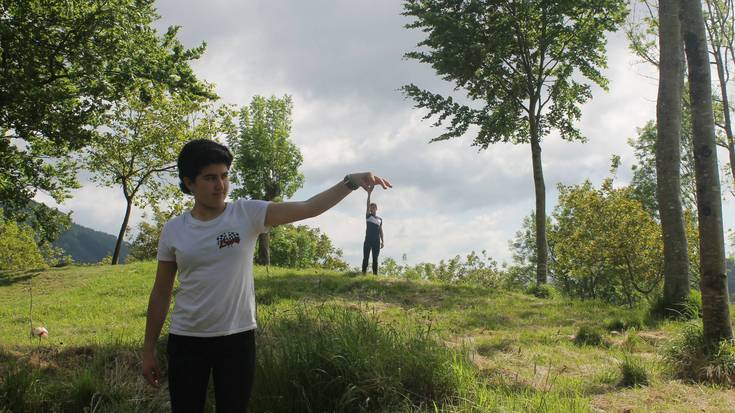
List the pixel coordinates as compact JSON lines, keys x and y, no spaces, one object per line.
{"x":255,"y":211}
{"x":165,"y":250}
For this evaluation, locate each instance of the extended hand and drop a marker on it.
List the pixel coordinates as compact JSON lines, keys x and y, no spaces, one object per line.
{"x":151,"y":371}
{"x":368,"y":181}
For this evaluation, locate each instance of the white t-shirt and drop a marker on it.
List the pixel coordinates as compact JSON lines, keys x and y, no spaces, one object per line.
{"x":215,"y":268}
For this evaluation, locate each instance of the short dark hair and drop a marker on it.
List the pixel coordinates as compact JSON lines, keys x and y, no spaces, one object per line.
{"x":197,"y":155}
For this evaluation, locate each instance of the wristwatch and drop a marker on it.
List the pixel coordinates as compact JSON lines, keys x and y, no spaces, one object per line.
{"x":350,"y":183}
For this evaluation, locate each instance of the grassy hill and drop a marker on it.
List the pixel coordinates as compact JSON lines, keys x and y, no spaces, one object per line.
{"x":340,"y":342}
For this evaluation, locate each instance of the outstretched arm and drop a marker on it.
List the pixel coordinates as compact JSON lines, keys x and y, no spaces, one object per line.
{"x":279,"y":213}
{"x":367,"y":207}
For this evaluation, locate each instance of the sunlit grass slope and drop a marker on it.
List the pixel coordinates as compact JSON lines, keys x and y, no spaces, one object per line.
{"x":342,"y":342}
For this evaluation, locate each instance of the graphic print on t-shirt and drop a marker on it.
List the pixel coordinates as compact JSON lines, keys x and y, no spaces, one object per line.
{"x":228,"y":239}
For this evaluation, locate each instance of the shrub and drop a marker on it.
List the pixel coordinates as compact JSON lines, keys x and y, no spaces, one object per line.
{"x":634,"y":373}
{"x":18,"y":248}
{"x":589,"y":336}
{"x":304,"y":247}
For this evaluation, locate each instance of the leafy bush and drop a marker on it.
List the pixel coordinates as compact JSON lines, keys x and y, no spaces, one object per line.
{"x":605,"y":244}
{"x":634,"y":373}
{"x":304,"y":247}
{"x":472,"y":269}
{"x":18,"y":248}
{"x":589,"y":336}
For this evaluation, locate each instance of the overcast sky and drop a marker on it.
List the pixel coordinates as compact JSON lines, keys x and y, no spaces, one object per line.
{"x":341,"y":61}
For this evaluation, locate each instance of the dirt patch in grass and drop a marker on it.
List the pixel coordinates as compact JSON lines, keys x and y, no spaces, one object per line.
{"x":670,"y":396}
{"x":653,"y":338}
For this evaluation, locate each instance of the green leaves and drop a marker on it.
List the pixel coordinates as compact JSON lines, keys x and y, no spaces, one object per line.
{"x":18,"y":249}
{"x":607,"y":245}
{"x":266,"y":162}
{"x":303,"y":247}
{"x":65,"y":63}
{"x":515,"y":61}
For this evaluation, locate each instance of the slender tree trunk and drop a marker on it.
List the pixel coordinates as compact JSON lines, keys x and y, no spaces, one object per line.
{"x":668,"y":158}
{"x":272,"y":191}
{"x":726,"y":114}
{"x":716,"y":20}
{"x":713,"y":281}
{"x":264,"y":256}
{"x":540,"y":189}
{"x":123,"y":228}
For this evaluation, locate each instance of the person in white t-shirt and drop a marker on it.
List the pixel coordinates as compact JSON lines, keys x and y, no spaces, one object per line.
{"x":211,"y":247}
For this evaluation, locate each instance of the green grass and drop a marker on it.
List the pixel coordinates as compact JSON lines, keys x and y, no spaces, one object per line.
{"x":344,"y":342}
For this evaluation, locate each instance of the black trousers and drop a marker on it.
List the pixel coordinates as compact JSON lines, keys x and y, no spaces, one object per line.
{"x":368,"y":246}
{"x":231,"y":361}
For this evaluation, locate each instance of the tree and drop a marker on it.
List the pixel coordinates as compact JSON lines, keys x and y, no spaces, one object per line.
{"x":62,"y":64}
{"x":719,"y":21}
{"x":715,"y":298}
{"x":516,"y":61}
{"x":644,"y":170}
{"x":137,"y":150}
{"x":668,"y":158}
{"x":266,"y":162}
{"x":145,"y":244}
{"x":523,"y":246}
{"x":606,"y":245}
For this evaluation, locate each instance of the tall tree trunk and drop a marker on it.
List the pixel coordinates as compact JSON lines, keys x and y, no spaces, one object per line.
{"x":123,"y":228}
{"x":264,"y":255}
{"x":715,"y":297}
{"x":540,"y":189}
{"x":668,"y":158}
{"x":272,"y":191}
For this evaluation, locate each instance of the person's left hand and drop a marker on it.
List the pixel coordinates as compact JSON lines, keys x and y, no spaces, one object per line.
{"x":368,"y":181}
{"x":381,"y":245}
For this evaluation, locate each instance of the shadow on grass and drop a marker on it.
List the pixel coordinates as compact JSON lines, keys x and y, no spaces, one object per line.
{"x":98,"y":377}
{"x":8,"y":278}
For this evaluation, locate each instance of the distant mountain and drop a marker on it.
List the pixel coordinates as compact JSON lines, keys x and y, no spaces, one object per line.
{"x":86,"y":245}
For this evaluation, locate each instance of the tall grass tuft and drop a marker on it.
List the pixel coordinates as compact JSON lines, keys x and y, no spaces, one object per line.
{"x":337,"y":359}
{"x":590,"y":336}
{"x":542,"y":291}
{"x":17,"y":385}
{"x":690,"y":310}
{"x":690,"y":358}
{"x":634,"y":373}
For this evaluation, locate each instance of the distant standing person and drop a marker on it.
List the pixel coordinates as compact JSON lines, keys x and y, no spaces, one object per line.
{"x":373,"y":235}
{"x":211,"y":248}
